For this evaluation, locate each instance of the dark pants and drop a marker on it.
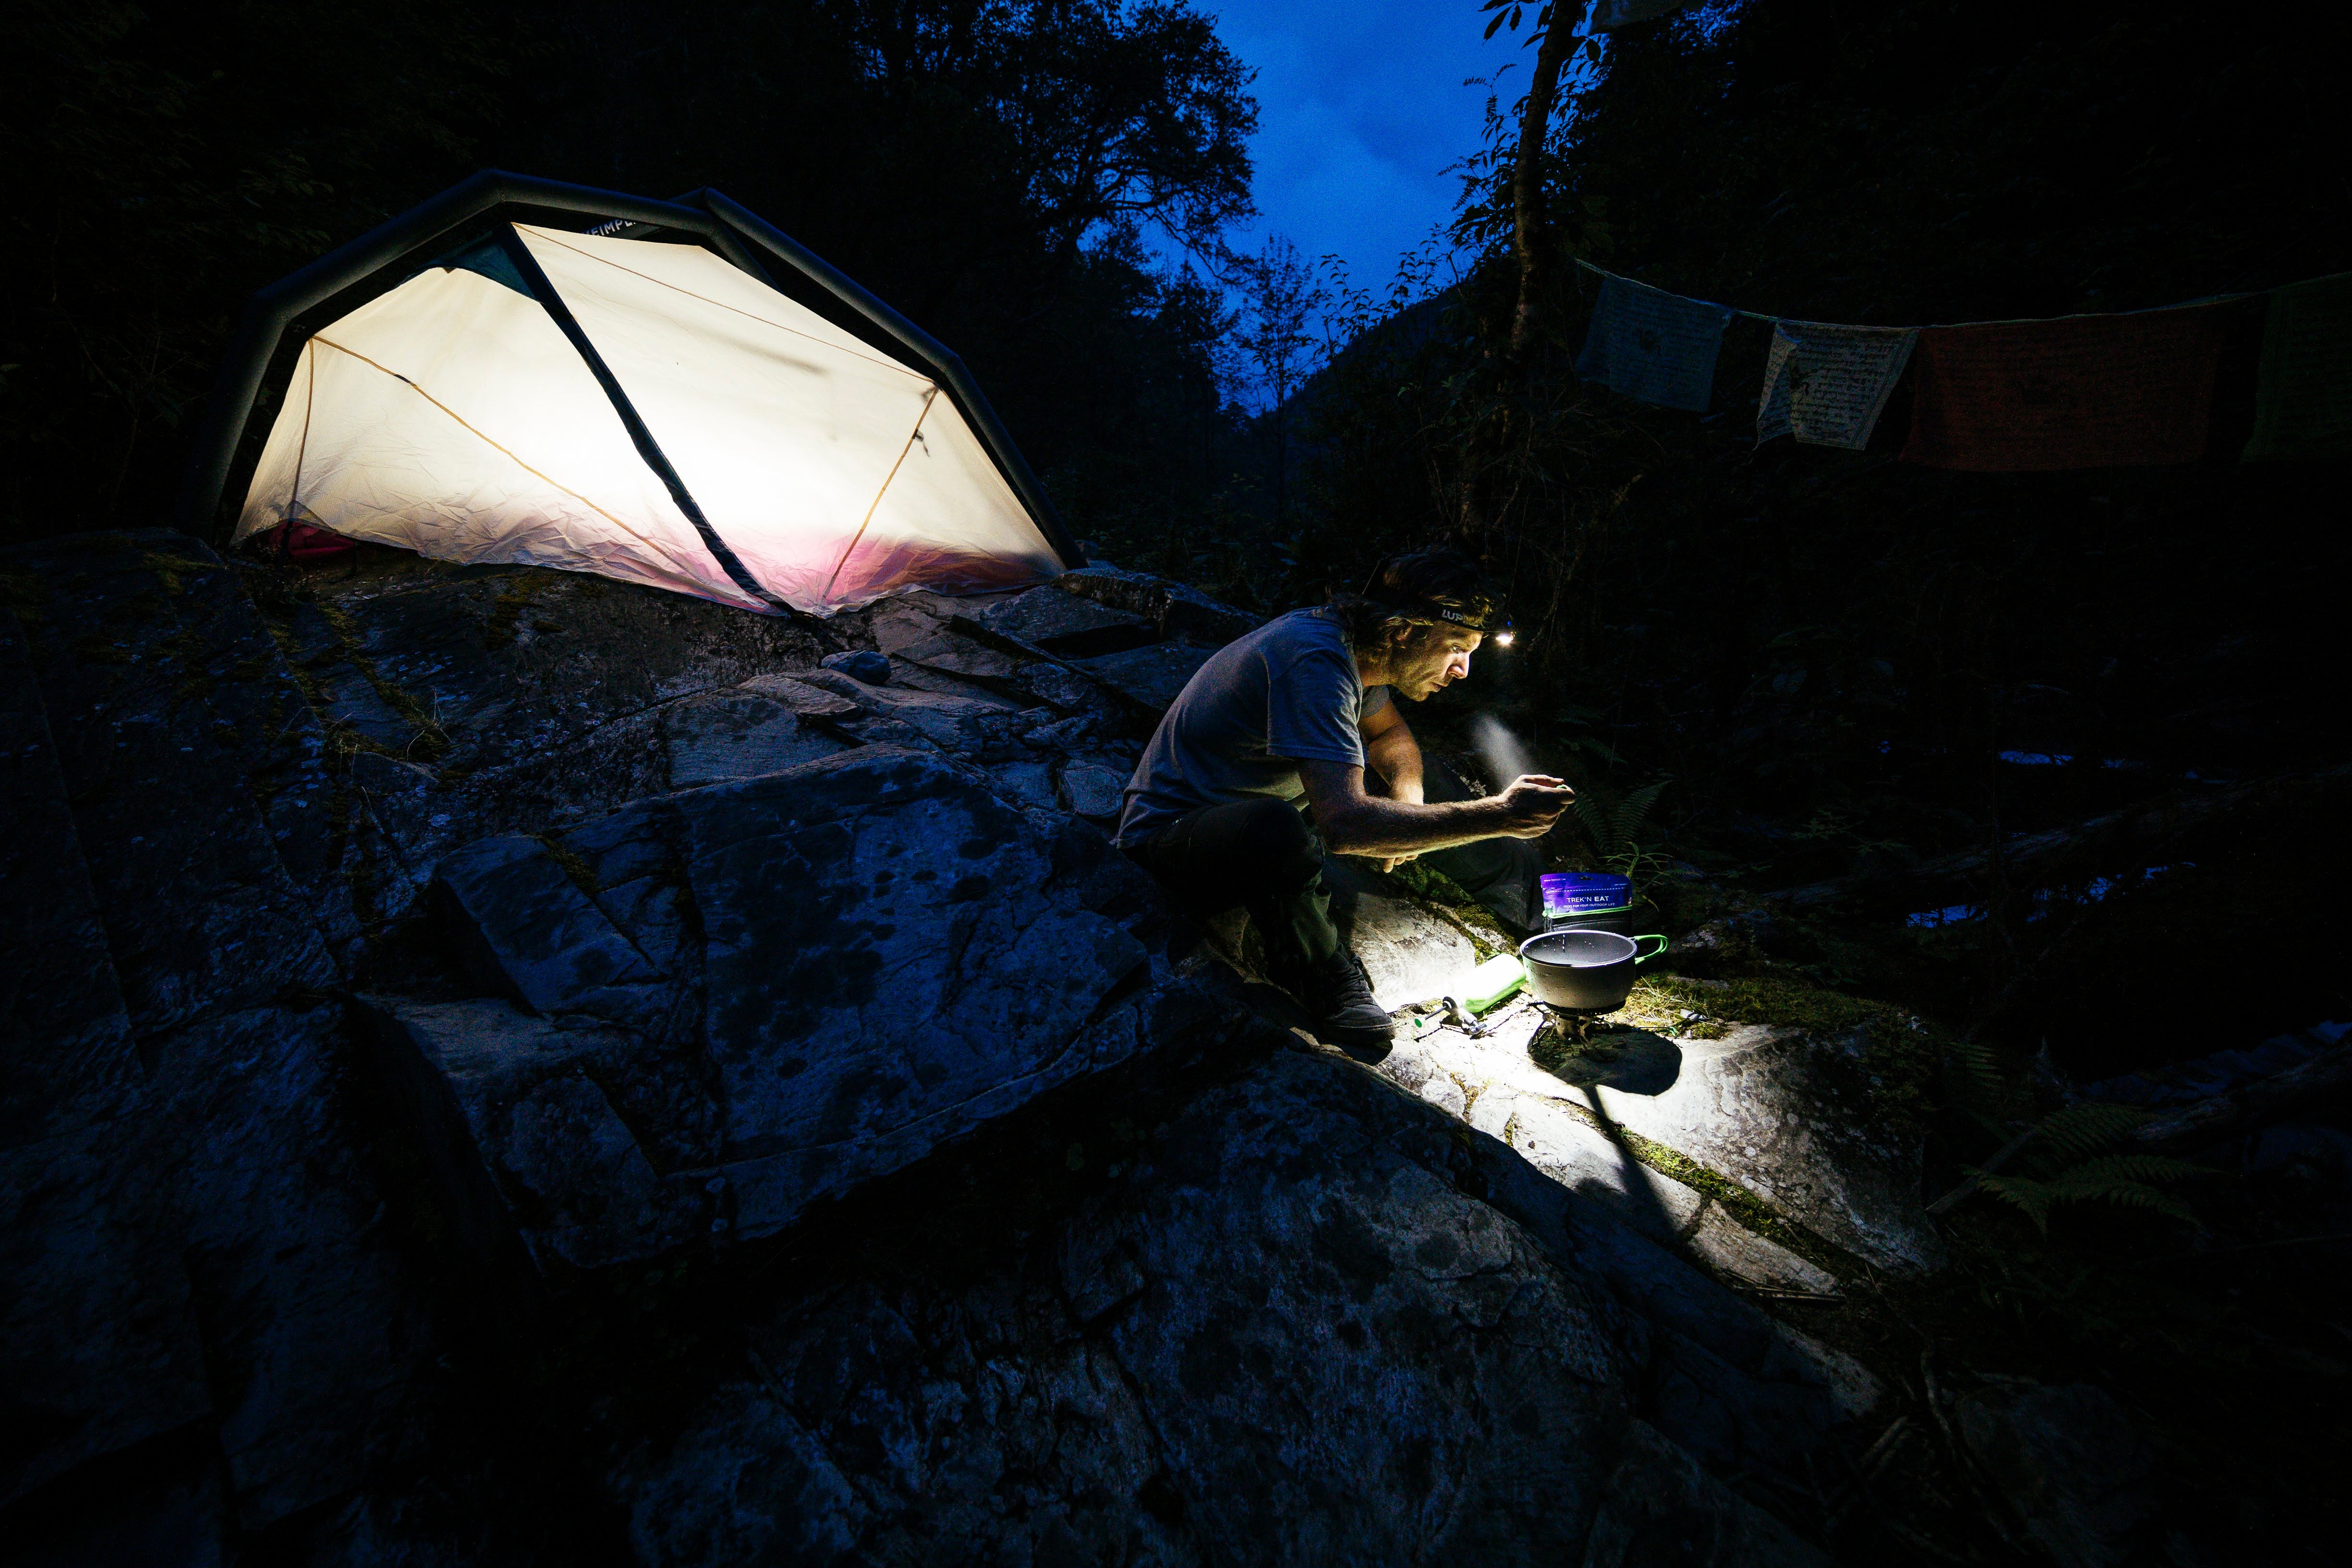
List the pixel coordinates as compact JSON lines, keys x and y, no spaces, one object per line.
{"x":1258,"y":854}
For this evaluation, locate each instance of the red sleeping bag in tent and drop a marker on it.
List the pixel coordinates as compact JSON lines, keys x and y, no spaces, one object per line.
{"x":300,"y":542}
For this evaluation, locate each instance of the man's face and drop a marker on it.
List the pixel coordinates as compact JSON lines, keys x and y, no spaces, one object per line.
{"x":1441,"y":662}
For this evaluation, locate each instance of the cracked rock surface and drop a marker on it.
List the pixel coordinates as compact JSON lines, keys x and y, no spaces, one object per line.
{"x":520,"y":1070}
{"x":1279,"y":1332}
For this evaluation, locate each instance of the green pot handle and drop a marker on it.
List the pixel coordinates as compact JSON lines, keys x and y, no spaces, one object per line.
{"x":1640,"y":957}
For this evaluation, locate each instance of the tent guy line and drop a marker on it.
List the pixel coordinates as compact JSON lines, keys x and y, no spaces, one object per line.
{"x":413,"y":387}
{"x":913,"y":436}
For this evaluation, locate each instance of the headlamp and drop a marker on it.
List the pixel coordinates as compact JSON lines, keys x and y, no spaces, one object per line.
{"x":1494,"y":623}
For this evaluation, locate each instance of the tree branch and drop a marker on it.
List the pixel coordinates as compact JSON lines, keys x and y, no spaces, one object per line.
{"x":1527,"y":175}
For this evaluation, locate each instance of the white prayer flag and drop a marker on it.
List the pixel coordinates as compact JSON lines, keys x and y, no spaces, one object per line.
{"x":1650,"y":344}
{"x":1827,"y":384}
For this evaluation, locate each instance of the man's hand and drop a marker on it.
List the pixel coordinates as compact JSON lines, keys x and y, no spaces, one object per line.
{"x":1532,"y":804}
{"x":1391,"y":862}
{"x":1354,"y":823}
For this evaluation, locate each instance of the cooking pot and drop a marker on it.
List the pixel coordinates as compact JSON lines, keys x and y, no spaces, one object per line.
{"x":1585,"y":971}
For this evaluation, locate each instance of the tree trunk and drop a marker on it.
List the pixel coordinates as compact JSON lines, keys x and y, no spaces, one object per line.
{"x":1527,"y":240}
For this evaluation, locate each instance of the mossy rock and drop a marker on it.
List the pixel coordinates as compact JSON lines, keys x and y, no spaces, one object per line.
{"x":1782,"y":1003}
{"x":1892,"y":1059}
{"x":1437,"y":889}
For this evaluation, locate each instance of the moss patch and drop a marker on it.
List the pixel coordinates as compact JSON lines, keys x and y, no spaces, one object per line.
{"x":506,"y":612}
{"x":170,"y":569}
{"x":1786,"y":1004}
{"x":575,"y":868}
{"x":1649,"y":1005}
{"x":432,"y":742}
{"x":1553,"y":1049}
{"x":24,"y":593}
{"x":93,"y":647}
{"x":194,"y":681}
{"x":1752,"y":1212}
{"x":1446,"y":897}
{"x":429,"y":744}
{"x":136,"y":609}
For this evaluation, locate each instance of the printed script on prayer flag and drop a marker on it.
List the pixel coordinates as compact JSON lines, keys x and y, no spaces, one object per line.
{"x":1650,"y":344}
{"x":1827,"y":384}
{"x":2081,"y":391}
{"x":2303,"y":396}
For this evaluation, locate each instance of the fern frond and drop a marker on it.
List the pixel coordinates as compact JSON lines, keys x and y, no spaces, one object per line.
{"x":1614,"y":822}
{"x":1993,"y":1126}
{"x":2081,"y":1130}
{"x":2148,"y":1169}
{"x":1633,"y":808}
{"x":1977,"y":1072}
{"x":2131,"y":1195}
{"x":2025,"y":1193}
{"x":1596,"y":808}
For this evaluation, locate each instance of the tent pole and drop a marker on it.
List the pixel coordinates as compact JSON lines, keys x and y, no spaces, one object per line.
{"x":945,"y":367}
{"x":724,"y":224}
{"x":543,"y":289}
{"x":728,"y":243}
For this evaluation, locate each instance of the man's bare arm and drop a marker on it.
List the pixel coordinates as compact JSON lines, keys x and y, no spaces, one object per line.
{"x":1391,"y":751}
{"x":1355,"y":823}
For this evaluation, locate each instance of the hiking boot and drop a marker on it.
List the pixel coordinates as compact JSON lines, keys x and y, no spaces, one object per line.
{"x":1339,"y":997}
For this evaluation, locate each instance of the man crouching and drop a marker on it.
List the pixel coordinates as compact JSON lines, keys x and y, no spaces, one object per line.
{"x":1290,"y":717}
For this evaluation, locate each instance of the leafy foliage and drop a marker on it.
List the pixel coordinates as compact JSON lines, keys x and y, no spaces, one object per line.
{"x":1614,"y":822}
{"x":1276,"y":335}
{"x":2069,"y":1160}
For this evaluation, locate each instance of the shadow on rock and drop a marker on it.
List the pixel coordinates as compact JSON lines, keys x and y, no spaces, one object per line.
{"x":1630,"y":1061}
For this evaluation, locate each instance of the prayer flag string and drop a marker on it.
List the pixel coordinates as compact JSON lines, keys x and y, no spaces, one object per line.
{"x":2067,"y":392}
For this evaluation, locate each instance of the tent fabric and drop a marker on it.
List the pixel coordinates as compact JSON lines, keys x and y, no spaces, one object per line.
{"x":2080,"y":392}
{"x":1655,"y":346}
{"x":1827,"y":384}
{"x":452,"y":417}
{"x":2303,"y":391}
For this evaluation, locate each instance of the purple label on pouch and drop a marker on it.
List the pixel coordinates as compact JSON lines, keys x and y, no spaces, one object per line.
{"x":1581,"y":892}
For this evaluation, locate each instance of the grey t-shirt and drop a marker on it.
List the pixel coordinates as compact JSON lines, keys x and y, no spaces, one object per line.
{"x":1286,"y":693}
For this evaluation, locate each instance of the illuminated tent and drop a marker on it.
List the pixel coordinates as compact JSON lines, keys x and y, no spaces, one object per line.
{"x":644,"y":401}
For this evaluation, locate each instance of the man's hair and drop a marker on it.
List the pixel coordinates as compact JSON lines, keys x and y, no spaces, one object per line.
{"x":1411,"y":596}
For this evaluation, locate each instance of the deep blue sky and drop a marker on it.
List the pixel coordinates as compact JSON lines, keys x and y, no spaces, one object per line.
{"x":1361,"y":108}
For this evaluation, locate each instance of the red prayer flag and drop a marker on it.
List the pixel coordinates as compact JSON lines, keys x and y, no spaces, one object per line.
{"x":2081,"y":391}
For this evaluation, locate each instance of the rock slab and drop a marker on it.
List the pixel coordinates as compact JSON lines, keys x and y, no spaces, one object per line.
{"x":2073,"y":1468}
{"x":1784,"y":1113}
{"x":1281,"y":1329}
{"x":769,"y":992}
